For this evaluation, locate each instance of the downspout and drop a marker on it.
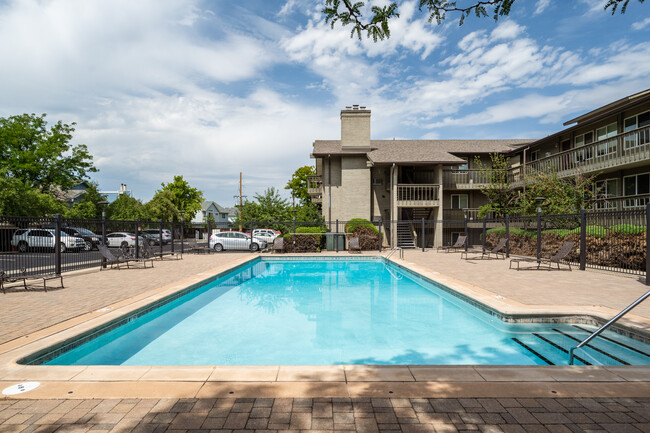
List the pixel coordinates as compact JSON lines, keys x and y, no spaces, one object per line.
{"x":329,"y":195}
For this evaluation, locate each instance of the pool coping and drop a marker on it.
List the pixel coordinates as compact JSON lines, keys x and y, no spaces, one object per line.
{"x":317,"y":381}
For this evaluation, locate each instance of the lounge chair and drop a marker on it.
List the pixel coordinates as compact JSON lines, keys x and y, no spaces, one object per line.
{"x":353,"y":245}
{"x":4,"y":278}
{"x":112,"y":259}
{"x":557,"y":258}
{"x":278,"y":244}
{"x":500,"y":248}
{"x":460,"y":243}
{"x":192,"y":245}
{"x":46,"y":277}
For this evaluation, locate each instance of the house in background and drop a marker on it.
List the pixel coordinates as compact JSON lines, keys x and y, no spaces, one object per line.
{"x":220,"y":215}
{"x":73,"y":195}
{"x":402,"y":181}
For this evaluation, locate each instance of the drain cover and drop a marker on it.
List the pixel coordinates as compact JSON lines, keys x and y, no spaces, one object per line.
{"x":20,"y":388}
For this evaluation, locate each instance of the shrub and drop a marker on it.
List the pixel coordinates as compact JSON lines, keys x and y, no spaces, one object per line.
{"x":354,"y":223}
{"x":310,"y":230}
{"x":595,"y":231}
{"x":560,"y":233}
{"x":501,"y":231}
{"x":627,"y":229}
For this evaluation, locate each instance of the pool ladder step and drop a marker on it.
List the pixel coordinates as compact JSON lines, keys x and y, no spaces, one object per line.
{"x":552,"y":349}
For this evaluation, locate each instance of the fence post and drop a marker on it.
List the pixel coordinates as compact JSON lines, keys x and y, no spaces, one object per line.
{"x":466,"y":233}
{"x":336,"y":236}
{"x":294,"y":233}
{"x":104,"y":234}
{"x":507,"y":235}
{"x":423,"y":236}
{"x":484,"y":232}
{"x":137,"y":239}
{"x":647,"y":245}
{"x":208,"y":228}
{"x":583,"y":239}
{"x":57,"y":245}
{"x":182,"y":236}
{"x":161,"y":238}
{"x":539,"y":234}
{"x":380,"y":239}
{"x":173,"y":238}
{"x":252,"y":224}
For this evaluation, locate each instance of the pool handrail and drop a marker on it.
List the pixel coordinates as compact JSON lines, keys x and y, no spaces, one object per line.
{"x":597,"y":332}
{"x":393,"y":251}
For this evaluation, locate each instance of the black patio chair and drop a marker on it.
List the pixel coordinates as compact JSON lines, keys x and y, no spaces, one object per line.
{"x":460,"y":243}
{"x":499,"y":249}
{"x":561,"y":254}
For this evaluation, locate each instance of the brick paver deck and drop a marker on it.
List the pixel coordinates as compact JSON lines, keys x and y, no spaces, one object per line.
{"x":363,"y":415}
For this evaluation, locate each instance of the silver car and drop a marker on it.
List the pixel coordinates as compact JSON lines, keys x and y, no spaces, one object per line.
{"x":122,"y":239}
{"x":235,"y":241}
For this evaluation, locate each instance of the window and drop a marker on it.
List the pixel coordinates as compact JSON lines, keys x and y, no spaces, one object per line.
{"x":463,"y":166}
{"x":566,"y":145}
{"x":638,"y":138}
{"x":604,"y":135}
{"x":636,"y":184}
{"x":583,"y":140}
{"x":459,"y":201}
{"x":604,"y":189}
{"x":534,"y":155}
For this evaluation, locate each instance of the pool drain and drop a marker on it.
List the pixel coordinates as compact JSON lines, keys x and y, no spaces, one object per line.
{"x":21,"y":388}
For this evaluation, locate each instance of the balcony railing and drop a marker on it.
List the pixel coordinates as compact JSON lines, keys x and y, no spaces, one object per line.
{"x":620,"y":203}
{"x":459,"y":214}
{"x":625,"y":148}
{"x":464,"y":179}
{"x":418,"y":195}
{"x":315,"y":185}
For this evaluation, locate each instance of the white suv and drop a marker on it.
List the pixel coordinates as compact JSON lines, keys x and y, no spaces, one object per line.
{"x":266,"y":234}
{"x":26,"y":239}
{"x":122,"y":239}
{"x":235,"y":241}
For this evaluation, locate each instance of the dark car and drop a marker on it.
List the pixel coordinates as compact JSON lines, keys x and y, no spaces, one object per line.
{"x":91,"y":239}
{"x":150,"y":238}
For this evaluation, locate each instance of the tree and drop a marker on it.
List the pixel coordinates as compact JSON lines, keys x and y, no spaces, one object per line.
{"x":18,"y":199}
{"x":126,"y":207}
{"x":39,"y":156}
{"x":298,"y":183}
{"x":88,"y":206}
{"x":498,"y":188}
{"x":562,"y":195}
{"x":349,"y":13}
{"x":162,"y":207}
{"x":184,"y":197}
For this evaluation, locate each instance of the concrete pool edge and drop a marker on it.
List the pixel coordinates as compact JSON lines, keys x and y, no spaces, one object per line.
{"x":57,"y":379}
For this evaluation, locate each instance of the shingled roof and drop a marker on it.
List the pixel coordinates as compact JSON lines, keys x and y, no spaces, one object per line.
{"x":420,"y":151}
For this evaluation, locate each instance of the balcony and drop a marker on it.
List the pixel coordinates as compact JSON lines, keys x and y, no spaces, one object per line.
{"x":620,"y":203}
{"x":418,"y":195}
{"x":315,"y":185}
{"x":623,"y":149}
{"x":459,"y":214}
{"x":464,"y":179}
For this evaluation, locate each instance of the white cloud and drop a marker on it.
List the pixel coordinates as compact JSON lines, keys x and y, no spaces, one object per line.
{"x":640,"y":25}
{"x":541,"y":6}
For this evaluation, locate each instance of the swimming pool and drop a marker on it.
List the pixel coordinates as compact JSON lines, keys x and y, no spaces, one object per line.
{"x":329,"y":311}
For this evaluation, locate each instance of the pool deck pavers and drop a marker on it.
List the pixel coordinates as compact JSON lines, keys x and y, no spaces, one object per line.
{"x":271,"y":399}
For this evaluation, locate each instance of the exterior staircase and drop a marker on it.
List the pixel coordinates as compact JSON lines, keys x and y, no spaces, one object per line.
{"x":405,"y":235}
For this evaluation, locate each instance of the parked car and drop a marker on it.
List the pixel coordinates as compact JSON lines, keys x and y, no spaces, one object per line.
{"x":235,"y":241}
{"x":91,"y":239}
{"x":122,"y":239}
{"x":151,"y":238}
{"x":268,"y":235}
{"x":25,"y":239}
{"x":166,"y":235}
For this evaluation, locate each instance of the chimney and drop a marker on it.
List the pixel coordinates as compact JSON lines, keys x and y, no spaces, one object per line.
{"x":355,"y":129}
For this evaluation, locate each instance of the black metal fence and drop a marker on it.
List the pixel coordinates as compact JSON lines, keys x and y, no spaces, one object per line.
{"x":609,"y":240}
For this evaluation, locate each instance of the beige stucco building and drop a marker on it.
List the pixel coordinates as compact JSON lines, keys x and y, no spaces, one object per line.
{"x":400,"y":182}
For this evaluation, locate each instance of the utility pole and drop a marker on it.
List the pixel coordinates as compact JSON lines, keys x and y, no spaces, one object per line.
{"x":241,"y":202}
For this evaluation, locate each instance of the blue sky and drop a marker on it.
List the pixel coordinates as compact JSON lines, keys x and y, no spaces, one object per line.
{"x":207,"y":89}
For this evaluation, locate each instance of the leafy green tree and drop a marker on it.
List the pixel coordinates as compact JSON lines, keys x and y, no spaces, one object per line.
{"x":502,"y":197}
{"x":39,"y":156}
{"x":184,"y":197}
{"x":126,"y":208}
{"x":18,"y":199}
{"x":162,"y":206}
{"x":376,"y":26}
{"x":563,"y":195}
{"x":88,"y":206}
{"x":298,"y":183}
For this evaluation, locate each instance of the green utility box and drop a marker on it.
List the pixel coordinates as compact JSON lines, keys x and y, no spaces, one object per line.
{"x":334,"y":239}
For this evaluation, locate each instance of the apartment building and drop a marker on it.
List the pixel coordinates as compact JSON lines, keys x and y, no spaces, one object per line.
{"x":405,"y":180}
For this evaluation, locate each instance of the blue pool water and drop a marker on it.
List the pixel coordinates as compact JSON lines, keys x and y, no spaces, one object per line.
{"x":321,"y":312}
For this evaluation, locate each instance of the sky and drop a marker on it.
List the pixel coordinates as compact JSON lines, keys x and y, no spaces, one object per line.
{"x":209,"y":89}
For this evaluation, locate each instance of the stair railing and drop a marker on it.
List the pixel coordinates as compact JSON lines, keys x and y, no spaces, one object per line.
{"x":607,"y":325}
{"x":393,"y":251}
